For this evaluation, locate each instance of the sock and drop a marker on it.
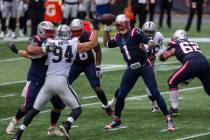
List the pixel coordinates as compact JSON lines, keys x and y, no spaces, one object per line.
{"x":19,"y":114}
{"x":29,"y":116}
{"x":71,"y":120}
{"x":102,"y":97}
{"x":116,"y":93}
{"x":75,"y":113}
{"x":173,"y":97}
{"x":54,"y":117}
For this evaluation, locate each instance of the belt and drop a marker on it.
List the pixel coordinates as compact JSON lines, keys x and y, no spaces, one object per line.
{"x":138,"y":65}
{"x":71,"y":3}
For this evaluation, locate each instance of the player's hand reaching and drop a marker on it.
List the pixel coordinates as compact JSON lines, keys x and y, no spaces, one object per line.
{"x":98,"y":71}
{"x":12,"y":47}
{"x":95,"y":21}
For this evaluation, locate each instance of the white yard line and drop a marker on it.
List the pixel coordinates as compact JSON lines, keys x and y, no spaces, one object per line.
{"x":194,"y":136}
{"x":11,"y":83}
{"x":7,"y":95}
{"x":11,"y":59}
{"x":166,"y":130}
{"x":89,"y":97}
{"x":118,"y":128}
{"x":130,"y":98}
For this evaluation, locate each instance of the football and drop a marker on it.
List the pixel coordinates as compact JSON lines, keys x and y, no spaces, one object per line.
{"x":107,"y":19}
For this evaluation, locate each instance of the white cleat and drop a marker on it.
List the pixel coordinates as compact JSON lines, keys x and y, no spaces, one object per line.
{"x":11,"y":127}
{"x":155,"y":109}
{"x":21,"y":34}
{"x":9,"y":33}
{"x":13,"y":35}
{"x":2,"y":35}
{"x":54,"y":131}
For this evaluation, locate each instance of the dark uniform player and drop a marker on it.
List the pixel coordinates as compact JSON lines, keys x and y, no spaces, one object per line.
{"x":85,"y":62}
{"x":35,"y":79}
{"x":37,"y":10}
{"x":194,"y":65}
{"x":195,"y":5}
{"x":129,"y":42}
{"x":165,"y":5}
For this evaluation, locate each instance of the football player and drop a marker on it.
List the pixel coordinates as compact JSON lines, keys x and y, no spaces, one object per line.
{"x":194,"y":65}
{"x":9,"y":7}
{"x":129,"y":42}
{"x":149,"y":30}
{"x":61,"y":53}
{"x":35,"y":79}
{"x":85,"y":62}
{"x":70,"y":10}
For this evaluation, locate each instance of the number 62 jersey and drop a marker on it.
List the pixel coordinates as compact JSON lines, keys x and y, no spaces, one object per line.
{"x":185,"y":50}
{"x":60,"y":59}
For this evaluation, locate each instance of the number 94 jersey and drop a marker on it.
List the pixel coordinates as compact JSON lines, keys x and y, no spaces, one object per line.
{"x":63,"y":55}
{"x":185,"y":50}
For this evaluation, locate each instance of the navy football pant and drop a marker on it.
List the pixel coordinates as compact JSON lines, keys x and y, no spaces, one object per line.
{"x":128,"y":81}
{"x":198,"y":67}
{"x":90,"y":73}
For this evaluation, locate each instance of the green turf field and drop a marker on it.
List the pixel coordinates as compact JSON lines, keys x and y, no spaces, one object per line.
{"x":142,"y":124}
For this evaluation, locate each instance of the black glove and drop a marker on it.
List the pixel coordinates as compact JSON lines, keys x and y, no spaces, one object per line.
{"x":12,"y":47}
{"x":95,"y":21}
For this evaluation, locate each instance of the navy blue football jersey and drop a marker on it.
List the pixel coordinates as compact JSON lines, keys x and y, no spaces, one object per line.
{"x":38,"y":67}
{"x":84,"y":57}
{"x":130,"y":45}
{"x":186,"y":50}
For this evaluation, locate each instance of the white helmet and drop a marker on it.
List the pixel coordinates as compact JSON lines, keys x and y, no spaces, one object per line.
{"x":180,"y":34}
{"x":63,"y":31}
{"x":122,"y":23}
{"x":76,"y":27}
{"x":149,"y":28}
{"x":46,"y":29}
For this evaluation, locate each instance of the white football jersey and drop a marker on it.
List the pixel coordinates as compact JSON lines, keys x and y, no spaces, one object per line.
{"x":158,"y":38}
{"x":60,"y":60}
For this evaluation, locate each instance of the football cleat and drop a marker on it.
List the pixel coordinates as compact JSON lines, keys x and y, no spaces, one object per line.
{"x":114,"y":124}
{"x":21,"y":34}
{"x":18,"y":135}
{"x":64,"y":128}
{"x":1,"y":35}
{"x":11,"y":127}
{"x":108,"y":110}
{"x":173,"y":111}
{"x":170,"y":124}
{"x":155,"y":109}
{"x":9,"y":33}
{"x":54,"y":131}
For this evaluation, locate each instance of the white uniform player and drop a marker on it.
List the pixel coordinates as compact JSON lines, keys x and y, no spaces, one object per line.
{"x":59,"y":63}
{"x":149,"y":29}
{"x":61,"y":53}
{"x":70,"y":10}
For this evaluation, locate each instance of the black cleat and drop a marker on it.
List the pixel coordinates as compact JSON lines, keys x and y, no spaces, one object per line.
{"x":18,"y":135}
{"x":173,"y":111}
{"x":64,"y":128}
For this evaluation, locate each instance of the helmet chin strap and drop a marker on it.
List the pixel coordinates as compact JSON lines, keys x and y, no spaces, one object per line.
{"x":123,"y":32}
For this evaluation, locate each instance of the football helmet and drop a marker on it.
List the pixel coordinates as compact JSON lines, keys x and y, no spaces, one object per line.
{"x":180,"y":35}
{"x":122,"y":23}
{"x":76,"y":28}
{"x":46,"y":29}
{"x":149,"y":28}
{"x":63,"y":31}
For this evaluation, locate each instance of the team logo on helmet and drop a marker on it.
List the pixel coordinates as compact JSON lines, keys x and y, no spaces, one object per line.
{"x":122,"y":23}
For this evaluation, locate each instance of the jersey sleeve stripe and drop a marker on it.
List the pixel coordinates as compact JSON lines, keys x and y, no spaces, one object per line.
{"x":91,"y":34}
{"x":133,"y":32}
{"x":37,"y":37}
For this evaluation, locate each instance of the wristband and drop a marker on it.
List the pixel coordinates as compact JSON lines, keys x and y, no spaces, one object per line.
{"x":44,"y":50}
{"x":107,"y":28}
{"x":19,"y":51}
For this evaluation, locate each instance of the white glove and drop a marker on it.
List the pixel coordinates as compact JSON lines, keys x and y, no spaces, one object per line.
{"x":98,"y":71}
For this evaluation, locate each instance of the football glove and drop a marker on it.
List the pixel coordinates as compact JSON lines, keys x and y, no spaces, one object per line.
{"x":98,"y":71}
{"x":95,"y":21}
{"x":12,"y":47}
